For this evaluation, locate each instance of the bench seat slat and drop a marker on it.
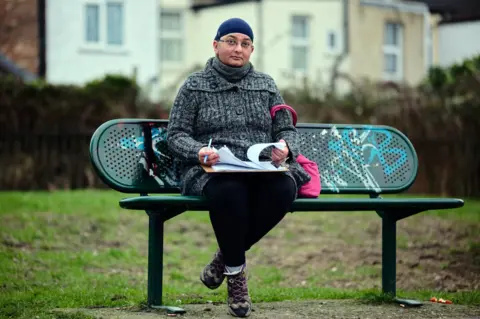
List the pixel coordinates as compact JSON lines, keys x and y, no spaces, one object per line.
{"x":152,"y":203}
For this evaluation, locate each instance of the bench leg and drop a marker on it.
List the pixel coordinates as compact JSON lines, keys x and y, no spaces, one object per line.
{"x":389,"y":258}
{"x":389,"y":254}
{"x":155,"y":264}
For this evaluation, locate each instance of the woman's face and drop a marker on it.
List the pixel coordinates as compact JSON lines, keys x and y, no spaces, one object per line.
{"x":234,"y":49}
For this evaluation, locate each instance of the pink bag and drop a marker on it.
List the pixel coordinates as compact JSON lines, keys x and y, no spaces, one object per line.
{"x":313,"y":187}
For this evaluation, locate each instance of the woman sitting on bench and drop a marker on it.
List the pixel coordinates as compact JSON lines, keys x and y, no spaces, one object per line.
{"x":228,"y":104}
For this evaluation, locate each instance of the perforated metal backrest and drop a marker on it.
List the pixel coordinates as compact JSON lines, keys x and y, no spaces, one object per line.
{"x":119,"y":149}
{"x":351,"y":159}
{"x":359,"y":158}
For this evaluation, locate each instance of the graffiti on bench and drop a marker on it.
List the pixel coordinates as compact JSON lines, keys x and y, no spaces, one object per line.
{"x":350,"y":154}
{"x":362,"y":157}
{"x":164,"y":168}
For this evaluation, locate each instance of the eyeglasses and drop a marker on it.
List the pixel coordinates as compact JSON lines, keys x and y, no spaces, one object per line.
{"x":233,"y":43}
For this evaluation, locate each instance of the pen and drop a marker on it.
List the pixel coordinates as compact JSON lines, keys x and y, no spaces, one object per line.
{"x":206,"y":156}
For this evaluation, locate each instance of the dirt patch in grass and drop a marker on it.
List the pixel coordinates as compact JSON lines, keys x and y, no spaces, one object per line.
{"x":343,"y":250}
{"x":344,"y":309}
{"x":310,"y":250}
{"x":63,"y":232}
{"x":338,"y":250}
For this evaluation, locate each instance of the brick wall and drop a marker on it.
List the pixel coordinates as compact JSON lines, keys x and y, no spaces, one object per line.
{"x":19,"y":32}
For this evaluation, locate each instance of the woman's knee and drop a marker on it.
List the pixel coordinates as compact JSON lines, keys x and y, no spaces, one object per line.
{"x":282,"y":186}
{"x":223,"y":187}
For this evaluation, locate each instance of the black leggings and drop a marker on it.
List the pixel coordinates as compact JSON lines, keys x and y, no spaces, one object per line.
{"x":245,"y":207}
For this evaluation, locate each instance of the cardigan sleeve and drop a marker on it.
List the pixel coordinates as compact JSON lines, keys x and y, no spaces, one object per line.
{"x":282,"y":126}
{"x":181,"y":126}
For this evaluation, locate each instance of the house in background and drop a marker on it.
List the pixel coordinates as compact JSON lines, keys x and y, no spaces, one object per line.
{"x":456,"y":40}
{"x":88,"y":38}
{"x":390,"y":40}
{"x":165,"y":40}
{"x":76,"y":41}
{"x":458,"y":29}
{"x":303,"y":39}
{"x":293,"y":39}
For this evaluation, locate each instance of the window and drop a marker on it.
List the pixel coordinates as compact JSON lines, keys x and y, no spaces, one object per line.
{"x":115,"y":23}
{"x":300,"y":38}
{"x":300,"y":27}
{"x":390,"y":63}
{"x":300,"y":57}
{"x":104,"y":23}
{"x":171,"y":31}
{"x":392,"y":51}
{"x":331,"y":41}
{"x":392,"y":34}
{"x":92,"y":34}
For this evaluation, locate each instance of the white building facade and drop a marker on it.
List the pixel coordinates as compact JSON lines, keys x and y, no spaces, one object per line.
{"x":456,"y":41}
{"x":87,"y":39}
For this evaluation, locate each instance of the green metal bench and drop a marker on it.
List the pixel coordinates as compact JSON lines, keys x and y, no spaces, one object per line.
{"x":131,"y":156}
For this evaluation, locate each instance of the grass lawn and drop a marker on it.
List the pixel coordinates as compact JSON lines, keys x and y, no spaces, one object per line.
{"x":79,"y":249}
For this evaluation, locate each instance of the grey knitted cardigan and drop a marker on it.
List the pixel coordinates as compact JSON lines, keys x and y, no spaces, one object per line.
{"x":231,"y":106}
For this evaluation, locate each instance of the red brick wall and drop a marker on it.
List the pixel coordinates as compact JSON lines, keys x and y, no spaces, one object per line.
{"x":19,"y":32}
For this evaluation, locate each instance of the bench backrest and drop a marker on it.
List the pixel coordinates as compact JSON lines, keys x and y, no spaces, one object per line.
{"x":354,"y":159}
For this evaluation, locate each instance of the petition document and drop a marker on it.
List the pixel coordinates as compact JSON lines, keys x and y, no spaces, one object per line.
{"x":229,"y":162}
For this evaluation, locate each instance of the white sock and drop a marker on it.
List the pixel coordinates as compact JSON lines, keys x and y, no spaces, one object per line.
{"x":233,"y":270}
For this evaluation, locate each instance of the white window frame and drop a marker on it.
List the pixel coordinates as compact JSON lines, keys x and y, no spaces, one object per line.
{"x":300,"y":42}
{"x":393,"y":49}
{"x":172,"y":35}
{"x":103,"y":44}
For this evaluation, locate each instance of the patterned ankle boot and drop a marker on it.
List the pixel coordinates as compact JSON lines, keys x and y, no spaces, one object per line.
{"x":239,"y":302}
{"x":212,"y":275}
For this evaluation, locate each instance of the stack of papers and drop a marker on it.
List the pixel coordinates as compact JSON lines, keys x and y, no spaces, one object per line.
{"x":229,"y":162}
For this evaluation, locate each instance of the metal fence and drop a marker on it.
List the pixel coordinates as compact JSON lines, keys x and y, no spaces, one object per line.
{"x":46,"y":161}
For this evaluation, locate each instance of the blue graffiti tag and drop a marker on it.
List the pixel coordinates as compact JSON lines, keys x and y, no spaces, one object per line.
{"x":350,"y":146}
{"x":136,"y":142}
{"x":382,"y":149}
{"x":163,"y":169}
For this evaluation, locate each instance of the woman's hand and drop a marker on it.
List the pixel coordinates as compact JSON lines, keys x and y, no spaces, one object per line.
{"x":212,"y":156}
{"x":279,"y":155}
